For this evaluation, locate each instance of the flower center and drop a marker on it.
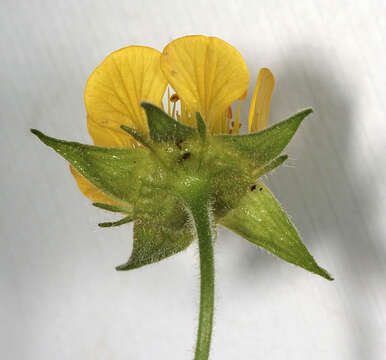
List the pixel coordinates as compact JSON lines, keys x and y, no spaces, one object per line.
{"x":226,"y":124}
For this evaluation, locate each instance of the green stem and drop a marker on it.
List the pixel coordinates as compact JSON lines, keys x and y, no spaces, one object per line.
{"x":203,"y":224}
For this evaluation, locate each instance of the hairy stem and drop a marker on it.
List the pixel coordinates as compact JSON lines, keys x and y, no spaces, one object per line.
{"x":206,"y":235}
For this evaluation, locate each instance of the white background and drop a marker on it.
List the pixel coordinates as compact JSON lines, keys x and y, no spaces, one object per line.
{"x":60,"y":297}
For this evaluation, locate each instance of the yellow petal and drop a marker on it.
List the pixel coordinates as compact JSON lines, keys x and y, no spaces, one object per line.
{"x":118,"y":85}
{"x":91,"y":191}
{"x":207,"y":73}
{"x":261,"y":100}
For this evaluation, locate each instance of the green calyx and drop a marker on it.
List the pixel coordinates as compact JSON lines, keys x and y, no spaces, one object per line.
{"x":160,"y":182}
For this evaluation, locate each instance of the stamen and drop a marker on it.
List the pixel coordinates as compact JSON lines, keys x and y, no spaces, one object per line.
{"x":234,"y":126}
{"x":237,"y":118}
{"x":190,"y":118}
{"x":229,"y":112}
{"x":225,"y":119}
{"x":184,"y":115}
{"x":174,"y":98}
{"x":174,"y":110}
{"x":169,"y":113}
{"x":222,"y":125}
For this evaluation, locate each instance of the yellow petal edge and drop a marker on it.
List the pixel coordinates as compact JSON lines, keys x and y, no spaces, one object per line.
{"x":112,"y":97}
{"x":207,"y":73}
{"x":116,"y":88}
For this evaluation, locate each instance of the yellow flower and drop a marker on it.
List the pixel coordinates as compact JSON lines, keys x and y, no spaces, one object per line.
{"x":207,"y":74}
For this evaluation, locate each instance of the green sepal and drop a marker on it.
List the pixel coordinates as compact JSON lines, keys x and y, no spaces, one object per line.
{"x":146,"y":180}
{"x":153,"y":243}
{"x":263,"y":146}
{"x":112,"y":208}
{"x":201,"y":127}
{"x":270,"y":166}
{"x":161,"y":226}
{"x":164,"y":128}
{"x":124,"y":220}
{"x":137,"y":135}
{"x":161,"y":230}
{"x":260,"y":220}
{"x":116,"y":172}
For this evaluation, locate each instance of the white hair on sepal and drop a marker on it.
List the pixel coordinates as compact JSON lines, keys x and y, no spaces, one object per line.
{"x":288,"y":164}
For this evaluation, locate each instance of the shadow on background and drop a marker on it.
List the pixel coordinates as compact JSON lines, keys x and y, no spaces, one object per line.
{"x":324,"y":192}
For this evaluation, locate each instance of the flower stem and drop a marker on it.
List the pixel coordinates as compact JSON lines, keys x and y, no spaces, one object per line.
{"x":205,"y":234}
